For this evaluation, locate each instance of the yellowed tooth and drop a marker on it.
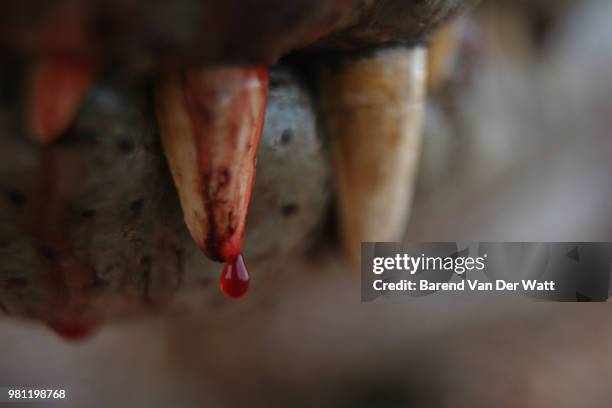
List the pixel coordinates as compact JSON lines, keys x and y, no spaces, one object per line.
{"x":373,"y":107}
{"x":211,"y":121}
{"x":443,"y":54}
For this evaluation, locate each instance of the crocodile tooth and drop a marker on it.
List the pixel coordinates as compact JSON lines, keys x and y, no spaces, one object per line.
{"x":372,"y":106}
{"x":57,"y":88}
{"x":443,"y":51}
{"x":211,"y":121}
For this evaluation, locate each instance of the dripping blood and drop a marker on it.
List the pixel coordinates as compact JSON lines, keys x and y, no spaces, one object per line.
{"x":235,"y":278}
{"x":73,"y":331}
{"x":68,"y":277}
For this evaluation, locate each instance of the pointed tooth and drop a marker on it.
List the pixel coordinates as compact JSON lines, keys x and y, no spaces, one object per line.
{"x":57,"y":88}
{"x":442,"y":54}
{"x":211,"y":122}
{"x":373,"y":107}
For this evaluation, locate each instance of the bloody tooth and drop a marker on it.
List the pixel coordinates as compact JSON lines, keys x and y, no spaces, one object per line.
{"x":373,"y":106}
{"x":211,"y":121}
{"x":58,"y":85}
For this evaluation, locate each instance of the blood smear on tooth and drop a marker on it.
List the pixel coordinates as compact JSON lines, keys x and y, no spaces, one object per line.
{"x":235,"y":278}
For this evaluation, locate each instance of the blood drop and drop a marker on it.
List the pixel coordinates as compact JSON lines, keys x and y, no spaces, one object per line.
{"x":235,"y":278}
